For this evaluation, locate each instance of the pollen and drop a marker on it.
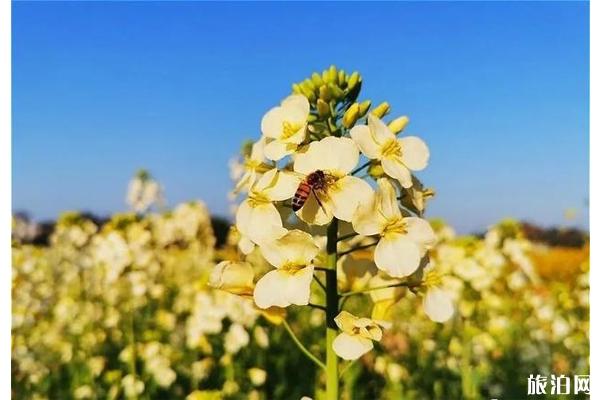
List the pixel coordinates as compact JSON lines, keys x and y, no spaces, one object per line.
{"x":395,"y":225}
{"x":290,"y":129}
{"x":391,"y":148}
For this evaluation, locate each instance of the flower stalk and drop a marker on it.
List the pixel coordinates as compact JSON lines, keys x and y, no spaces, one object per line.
{"x":332,"y":298}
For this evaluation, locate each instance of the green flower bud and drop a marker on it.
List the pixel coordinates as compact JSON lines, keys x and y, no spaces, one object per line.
{"x":316,"y":79}
{"x":306,"y":91}
{"x":336,"y":91}
{"x":341,"y":77}
{"x":324,"y":93}
{"x":296,"y":89}
{"x":353,"y":80}
{"x":364,"y":107}
{"x":323,"y":108}
{"x":351,"y":115}
{"x":381,"y":110}
{"x":376,"y":170}
{"x":333,"y":73}
{"x":398,"y":124}
{"x":309,"y":84}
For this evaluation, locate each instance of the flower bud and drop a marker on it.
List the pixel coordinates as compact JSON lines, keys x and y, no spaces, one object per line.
{"x":353,"y":80}
{"x":323,"y":108}
{"x":324,"y":93}
{"x":351,"y":115}
{"x":376,"y":170}
{"x":332,"y":74}
{"x":364,"y":107}
{"x":296,"y":89}
{"x":316,"y":79}
{"x":381,"y":110}
{"x":233,"y":277}
{"x":341,"y":76}
{"x":336,"y":91}
{"x":398,"y":125}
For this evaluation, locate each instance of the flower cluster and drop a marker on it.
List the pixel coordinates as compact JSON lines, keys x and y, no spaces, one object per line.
{"x":330,"y":186}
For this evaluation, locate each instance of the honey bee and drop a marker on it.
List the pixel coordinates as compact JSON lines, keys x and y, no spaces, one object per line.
{"x":314,"y":182}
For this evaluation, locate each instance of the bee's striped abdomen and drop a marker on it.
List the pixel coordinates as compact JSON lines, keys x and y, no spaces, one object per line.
{"x":301,"y":195}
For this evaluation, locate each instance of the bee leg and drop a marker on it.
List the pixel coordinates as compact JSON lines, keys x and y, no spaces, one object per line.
{"x":314,"y":192}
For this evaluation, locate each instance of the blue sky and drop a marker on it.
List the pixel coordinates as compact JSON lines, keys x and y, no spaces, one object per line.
{"x":499,"y":91}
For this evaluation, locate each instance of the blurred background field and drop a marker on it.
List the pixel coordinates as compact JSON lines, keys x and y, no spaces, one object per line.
{"x":112,"y":305}
{"x":120,"y":308}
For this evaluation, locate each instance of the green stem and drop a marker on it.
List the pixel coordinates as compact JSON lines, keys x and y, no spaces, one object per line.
{"x":364,"y":246}
{"x":332,"y":297}
{"x":373,"y":288}
{"x":301,"y":346}
{"x":357,"y":170}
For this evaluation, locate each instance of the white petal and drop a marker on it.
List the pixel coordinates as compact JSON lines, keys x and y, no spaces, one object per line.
{"x":258,"y":148}
{"x":379,"y":130}
{"x":282,"y":288}
{"x":394,"y":168}
{"x":397,"y":255}
{"x":232,"y":276}
{"x":387,"y":200}
{"x":294,"y":248}
{"x":415,"y":153}
{"x":283,"y":186}
{"x":315,"y":214}
{"x":337,"y":156}
{"x":419,"y":231}
{"x":438,"y":305}
{"x":361,"y":134}
{"x":350,"y":347}
{"x":276,"y":150}
{"x":259,"y":223}
{"x":296,"y":108}
{"x":272,"y":123}
{"x":245,"y":245}
{"x":346,"y":194}
{"x":367,"y":219}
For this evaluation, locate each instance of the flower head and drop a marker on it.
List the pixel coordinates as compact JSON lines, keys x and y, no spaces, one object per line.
{"x":404,"y":240}
{"x":285,"y":126}
{"x":289,"y":283}
{"x":437,"y":303}
{"x":356,"y":337}
{"x":398,"y":156}
{"x":257,"y":218}
{"x":253,"y":165}
{"x":340,"y":193}
{"x":234,"y":277}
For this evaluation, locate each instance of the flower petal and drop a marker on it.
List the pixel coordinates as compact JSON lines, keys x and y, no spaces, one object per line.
{"x":283,"y":288}
{"x":361,"y":134}
{"x":415,"y":154}
{"x":283,"y":186}
{"x":345,"y":321}
{"x":271,"y":124}
{"x":350,"y":347}
{"x":438,"y":305}
{"x":397,"y":255}
{"x":294,"y":248}
{"x":275,"y":150}
{"x":259,"y":223}
{"x":337,"y":156}
{"x":367,"y":219}
{"x":419,"y":230}
{"x":387,"y":199}
{"x":234,"y":277}
{"x":394,"y":168}
{"x":379,"y":130}
{"x":314,"y":213}
{"x":346,"y":194}
{"x":296,"y":108}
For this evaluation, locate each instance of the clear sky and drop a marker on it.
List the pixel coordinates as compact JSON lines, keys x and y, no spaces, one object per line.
{"x":499,"y":91}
